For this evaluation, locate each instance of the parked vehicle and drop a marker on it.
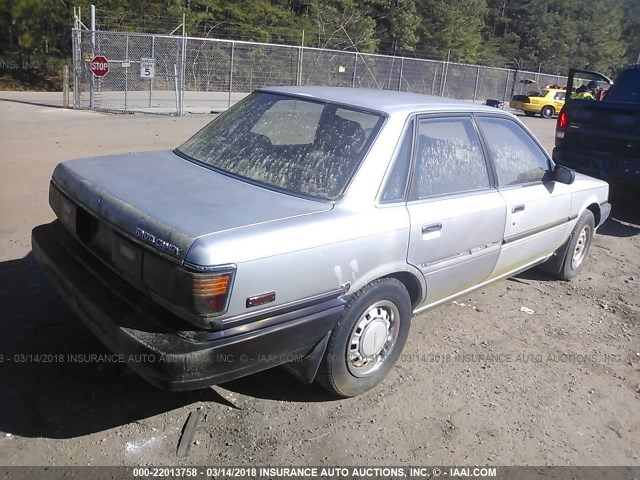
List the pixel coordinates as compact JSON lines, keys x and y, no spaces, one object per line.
{"x":547,"y":103}
{"x":305,"y":226}
{"x":602,"y":138}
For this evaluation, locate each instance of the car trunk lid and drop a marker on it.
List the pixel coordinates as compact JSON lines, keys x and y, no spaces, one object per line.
{"x":166,"y":202}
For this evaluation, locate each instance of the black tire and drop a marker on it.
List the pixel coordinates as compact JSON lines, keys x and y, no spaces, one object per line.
{"x":571,"y":265}
{"x":547,"y":111}
{"x":530,"y":114}
{"x":339,"y":372}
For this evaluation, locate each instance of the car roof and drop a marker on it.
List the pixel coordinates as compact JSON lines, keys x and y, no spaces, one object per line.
{"x":388,"y":101}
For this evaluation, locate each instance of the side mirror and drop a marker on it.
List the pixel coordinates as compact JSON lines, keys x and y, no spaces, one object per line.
{"x":563,"y":174}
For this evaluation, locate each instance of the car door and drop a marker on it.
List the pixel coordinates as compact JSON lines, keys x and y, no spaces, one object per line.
{"x":457,"y":216}
{"x":558,"y":101}
{"x":538,"y":209}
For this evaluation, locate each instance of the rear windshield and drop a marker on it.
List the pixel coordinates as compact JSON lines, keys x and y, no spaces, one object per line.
{"x":627,"y":86}
{"x":289,"y":143}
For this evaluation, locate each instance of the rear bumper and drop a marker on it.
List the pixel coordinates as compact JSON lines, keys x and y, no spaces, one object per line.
{"x":157,"y":345}
{"x":623,"y":171}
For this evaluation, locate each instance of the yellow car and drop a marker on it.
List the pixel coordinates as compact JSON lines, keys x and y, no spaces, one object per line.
{"x":547,"y":103}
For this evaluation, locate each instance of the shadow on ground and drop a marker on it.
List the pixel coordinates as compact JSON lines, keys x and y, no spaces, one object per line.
{"x":37,"y":104}
{"x":625,"y":216}
{"x":277,"y":384}
{"x":47,"y":394}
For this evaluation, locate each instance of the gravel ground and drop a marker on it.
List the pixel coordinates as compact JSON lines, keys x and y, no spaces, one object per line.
{"x":479,"y":382}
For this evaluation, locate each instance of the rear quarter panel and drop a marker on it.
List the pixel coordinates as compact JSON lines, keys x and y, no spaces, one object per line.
{"x":586,"y":191}
{"x":308,"y":256}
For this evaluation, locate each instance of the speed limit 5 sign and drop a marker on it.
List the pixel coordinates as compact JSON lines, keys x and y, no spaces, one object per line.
{"x":147,"y":67}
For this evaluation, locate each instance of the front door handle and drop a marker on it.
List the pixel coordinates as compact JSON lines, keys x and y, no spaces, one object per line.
{"x":517,"y":208}
{"x":435,"y":227}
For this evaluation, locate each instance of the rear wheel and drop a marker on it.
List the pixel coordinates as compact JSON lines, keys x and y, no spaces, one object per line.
{"x":368,"y":339}
{"x":547,"y":111}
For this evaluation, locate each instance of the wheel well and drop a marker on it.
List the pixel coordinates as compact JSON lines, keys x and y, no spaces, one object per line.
{"x":595,"y":209}
{"x":553,"y":109}
{"x":412,"y":285}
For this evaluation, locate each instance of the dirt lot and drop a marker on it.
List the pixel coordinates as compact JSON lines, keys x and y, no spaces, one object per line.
{"x":562,"y":388}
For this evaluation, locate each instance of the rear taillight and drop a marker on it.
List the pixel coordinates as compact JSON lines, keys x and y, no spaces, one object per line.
{"x":204,"y":293}
{"x":561,"y":126}
{"x":563,"y":119}
{"x":210,"y":292}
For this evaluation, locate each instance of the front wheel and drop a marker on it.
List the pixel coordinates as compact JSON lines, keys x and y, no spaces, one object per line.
{"x":547,"y":112}
{"x":579,"y":243}
{"x":368,"y":339}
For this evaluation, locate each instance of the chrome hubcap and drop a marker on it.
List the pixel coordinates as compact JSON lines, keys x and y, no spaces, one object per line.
{"x":373,"y":338}
{"x":581,"y":248}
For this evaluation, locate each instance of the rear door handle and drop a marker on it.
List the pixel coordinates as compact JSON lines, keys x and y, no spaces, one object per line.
{"x":517,"y":208}
{"x":435,"y":227}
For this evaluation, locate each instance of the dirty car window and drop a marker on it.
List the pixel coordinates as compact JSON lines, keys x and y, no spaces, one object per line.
{"x":449,"y":158}
{"x":517,"y":158}
{"x":293,"y":144}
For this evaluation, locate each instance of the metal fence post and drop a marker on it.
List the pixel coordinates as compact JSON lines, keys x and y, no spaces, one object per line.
{"x":506,"y":87}
{"x":93,"y":52}
{"x":400,"y":74}
{"x":183,"y":70}
{"x":77,"y":54}
{"x":475,"y":90}
{"x":300,"y":57}
{"x":299,"y":66}
{"x":433,"y":83}
{"x":175,"y":87}
{"x":355,"y":67}
{"x":126,"y":72}
{"x":153,"y":46}
{"x":65,"y":86}
{"x":233,"y":44}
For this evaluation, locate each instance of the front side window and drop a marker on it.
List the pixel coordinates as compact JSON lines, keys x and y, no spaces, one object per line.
{"x":449,"y":158}
{"x":517,"y":158}
{"x":297,"y":145}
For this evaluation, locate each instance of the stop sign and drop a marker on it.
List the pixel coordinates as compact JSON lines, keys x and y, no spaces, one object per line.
{"x":100,"y":66}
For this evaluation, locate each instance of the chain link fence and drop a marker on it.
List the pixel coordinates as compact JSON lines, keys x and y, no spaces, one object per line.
{"x":167,"y":74}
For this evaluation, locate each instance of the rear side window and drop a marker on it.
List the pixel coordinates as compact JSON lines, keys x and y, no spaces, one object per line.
{"x":517,"y":158}
{"x":449,"y":158}
{"x":396,"y":185}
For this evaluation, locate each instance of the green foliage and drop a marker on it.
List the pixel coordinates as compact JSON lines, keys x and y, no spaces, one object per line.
{"x":452,"y":29}
{"x":397,"y":24}
{"x":631,"y":30}
{"x":546,"y":35}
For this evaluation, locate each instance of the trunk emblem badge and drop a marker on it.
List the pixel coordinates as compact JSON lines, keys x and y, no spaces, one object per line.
{"x":158,"y":242}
